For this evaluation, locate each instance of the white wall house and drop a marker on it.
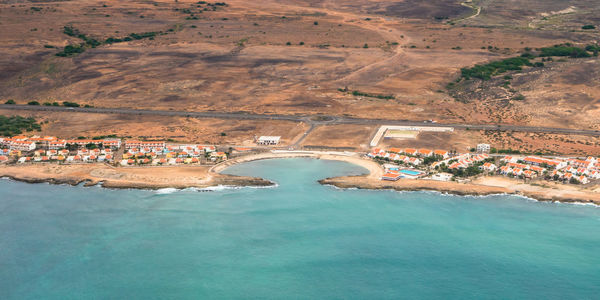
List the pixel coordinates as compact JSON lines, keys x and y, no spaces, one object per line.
{"x":268,"y":140}
{"x":22,"y":146}
{"x":483,"y":148}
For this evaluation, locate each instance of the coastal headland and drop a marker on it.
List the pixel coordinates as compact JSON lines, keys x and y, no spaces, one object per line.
{"x":179,"y":177}
{"x":205,"y":176}
{"x":489,"y":185}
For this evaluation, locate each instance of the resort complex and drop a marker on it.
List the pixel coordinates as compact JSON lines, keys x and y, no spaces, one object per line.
{"x":429,"y":164}
{"x":396,"y":163}
{"x":22,"y":149}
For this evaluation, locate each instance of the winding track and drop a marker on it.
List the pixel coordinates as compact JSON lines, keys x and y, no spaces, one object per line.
{"x":311,"y":120}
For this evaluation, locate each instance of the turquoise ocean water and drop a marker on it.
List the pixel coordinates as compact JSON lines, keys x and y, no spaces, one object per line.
{"x":298,"y":240}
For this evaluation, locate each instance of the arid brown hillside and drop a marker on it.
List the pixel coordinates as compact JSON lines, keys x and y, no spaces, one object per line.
{"x":292,"y":56}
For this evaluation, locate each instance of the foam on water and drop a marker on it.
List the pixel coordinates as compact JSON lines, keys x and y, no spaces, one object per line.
{"x":166,"y":191}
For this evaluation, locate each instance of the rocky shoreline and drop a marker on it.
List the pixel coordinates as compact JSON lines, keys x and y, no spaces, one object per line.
{"x":460,"y":189}
{"x":181,"y":177}
{"x":150,"y":178}
{"x":225,"y":180}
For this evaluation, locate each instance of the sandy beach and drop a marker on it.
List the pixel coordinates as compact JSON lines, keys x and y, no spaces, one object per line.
{"x":375,"y":170}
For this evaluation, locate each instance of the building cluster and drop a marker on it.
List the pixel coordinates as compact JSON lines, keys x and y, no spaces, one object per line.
{"x":395,"y":172}
{"x":408,"y":156}
{"x":23,"y":149}
{"x":159,"y":153}
{"x":52,"y":149}
{"x":464,"y":161}
{"x":562,"y":169}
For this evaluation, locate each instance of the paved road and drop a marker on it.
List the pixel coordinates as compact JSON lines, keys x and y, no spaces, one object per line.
{"x":312,"y":120}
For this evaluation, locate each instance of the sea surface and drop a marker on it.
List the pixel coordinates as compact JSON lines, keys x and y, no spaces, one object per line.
{"x":298,"y":240}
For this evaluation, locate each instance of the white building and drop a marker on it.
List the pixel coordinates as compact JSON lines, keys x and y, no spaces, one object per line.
{"x":268,"y":140}
{"x":442,"y":176}
{"x":22,"y":145}
{"x":56,"y":145}
{"x":483,"y":148}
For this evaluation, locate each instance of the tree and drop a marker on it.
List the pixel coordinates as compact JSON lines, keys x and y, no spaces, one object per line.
{"x":72,"y":147}
{"x":33,"y":103}
{"x":10,"y":101}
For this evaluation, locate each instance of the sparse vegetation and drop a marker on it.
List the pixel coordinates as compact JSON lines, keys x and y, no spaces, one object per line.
{"x":485,"y":72}
{"x":33,"y":103}
{"x":70,"y":50}
{"x":519,"y":97}
{"x":586,"y":27}
{"x":10,"y":126}
{"x":564,"y":50}
{"x":10,"y":101}
{"x":88,"y":42}
{"x":358,"y":93}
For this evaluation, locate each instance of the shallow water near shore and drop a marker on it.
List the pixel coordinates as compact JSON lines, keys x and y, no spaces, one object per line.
{"x":296,"y":240}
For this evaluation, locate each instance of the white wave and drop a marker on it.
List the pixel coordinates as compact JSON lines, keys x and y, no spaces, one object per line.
{"x":263,"y":186}
{"x":166,"y":191}
{"x":578,"y":203}
{"x":218,"y":188}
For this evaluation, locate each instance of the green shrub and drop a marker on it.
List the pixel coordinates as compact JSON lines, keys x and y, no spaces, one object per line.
{"x":564,"y":50}
{"x":519,"y":97}
{"x":585,"y":27}
{"x":378,"y":96}
{"x":70,"y":50}
{"x":139,"y":36}
{"x":33,"y":103}
{"x":485,"y":72}
{"x":14,"y":125}
{"x":528,"y":55}
{"x":10,"y":101}
{"x":70,"y":104}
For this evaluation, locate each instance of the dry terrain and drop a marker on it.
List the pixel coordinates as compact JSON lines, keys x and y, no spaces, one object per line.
{"x":463,"y":141}
{"x":175,"y":129}
{"x":292,"y":56}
